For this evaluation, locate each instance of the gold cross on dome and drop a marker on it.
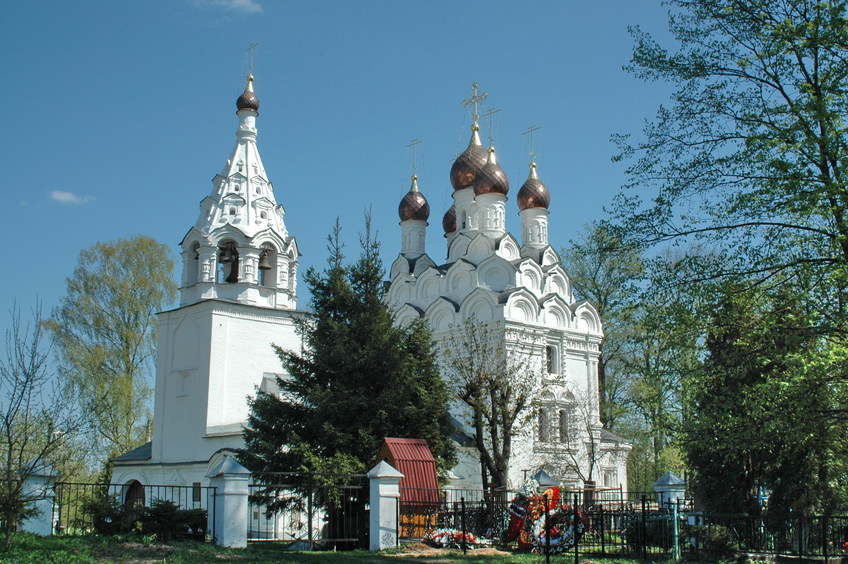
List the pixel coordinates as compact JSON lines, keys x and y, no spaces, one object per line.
{"x":250,"y":55}
{"x":475,"y":99}
{"x":530,"y":130}
{"x":414,"y":144}
{"x":491,"y":113}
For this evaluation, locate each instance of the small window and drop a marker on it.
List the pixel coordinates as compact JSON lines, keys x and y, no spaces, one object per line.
{"x":544,"y":426}
{"x":551,"y":359}
{"x":238,"y":187}
{"x":232,"y":211}
{"x":263,"y":214}
{"x":563,"y":426}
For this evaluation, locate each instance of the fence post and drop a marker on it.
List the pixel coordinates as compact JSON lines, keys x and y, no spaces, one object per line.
{"x":644,"y":532}
{"x":601,"y":521}
{"x":574,"y":529}
{"x":230,"y":480}
{"x":675,"y":532}
{"x":385,"y":495}
{"x":462,"y":521}
{"x":824,"y":536}
{"x":547,"y":531}
{"x":39,"y":487}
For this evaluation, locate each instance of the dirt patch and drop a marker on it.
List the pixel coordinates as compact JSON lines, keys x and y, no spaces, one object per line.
{"x":422,"y":550}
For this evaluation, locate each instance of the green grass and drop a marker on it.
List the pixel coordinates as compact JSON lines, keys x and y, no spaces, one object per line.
{"x":28,"y":548}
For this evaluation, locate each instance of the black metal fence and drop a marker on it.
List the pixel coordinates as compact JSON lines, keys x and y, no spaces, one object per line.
{"x":310,"y":510}
{"x":189,"y":511}
{"x":606,"y":523}
{"x":617,"y":524}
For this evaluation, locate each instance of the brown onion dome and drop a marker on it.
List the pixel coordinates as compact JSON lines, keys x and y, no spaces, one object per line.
{"x":414,"y":205}
{"x":491,"y":179}
{"x":248,"y":99}
{"x":449,"y":220}
{"x":533,"y":193}
{"x":468,"y":164}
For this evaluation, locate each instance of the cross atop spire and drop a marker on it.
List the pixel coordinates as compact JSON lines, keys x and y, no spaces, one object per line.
{"x":250,"y":56}
{"x":491,"y":113}
{"x":530,"y":130}
{"x":414,"y":144}
{"x":475,"y":99}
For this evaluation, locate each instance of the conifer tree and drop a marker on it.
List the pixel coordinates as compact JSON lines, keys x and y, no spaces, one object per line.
{"x":358,"y":379}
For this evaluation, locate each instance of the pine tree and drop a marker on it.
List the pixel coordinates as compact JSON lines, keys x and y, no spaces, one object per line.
{"x":359,"y":379}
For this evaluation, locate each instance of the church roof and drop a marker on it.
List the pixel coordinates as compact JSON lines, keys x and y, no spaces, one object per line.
{"x":143,"y":452}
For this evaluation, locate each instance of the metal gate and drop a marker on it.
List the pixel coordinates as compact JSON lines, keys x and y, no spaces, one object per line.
{"x":310,"y":511}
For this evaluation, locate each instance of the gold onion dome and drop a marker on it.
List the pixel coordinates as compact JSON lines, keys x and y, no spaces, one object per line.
{"x":491,"y":179}
{"x":468,"y":164}
{"x":248,"y":99}
{"x":449,"y":220}
{"x":533,"y":193}
{"x":414,"y":205}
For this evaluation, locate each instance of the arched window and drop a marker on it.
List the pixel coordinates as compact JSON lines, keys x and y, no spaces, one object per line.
{"x":268,"y":266}
{"x":192,"y":265}
{"x":228,"y":262}
{"x":463,"y":219}
{"x":544,"y":426}
{"x":563,"y":426}
{"x":551,"y":359}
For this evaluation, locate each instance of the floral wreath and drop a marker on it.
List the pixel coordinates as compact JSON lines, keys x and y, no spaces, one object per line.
{"x":450,"y":538}
{"x":532,"y":525}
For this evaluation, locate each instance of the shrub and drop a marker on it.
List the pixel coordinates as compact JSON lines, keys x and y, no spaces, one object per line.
{"x":168,"y":522}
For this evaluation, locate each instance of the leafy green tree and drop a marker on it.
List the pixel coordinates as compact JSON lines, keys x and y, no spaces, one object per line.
{"x":755,"y":424}
{"x":359,"y":378}
{"x":35,"y":420}
{"x":104,"y":330}
{"x":750,"y":156}
{"x":608,"y":272}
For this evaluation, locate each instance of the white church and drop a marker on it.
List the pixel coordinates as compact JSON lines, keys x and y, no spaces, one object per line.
{"x":238,"y":295}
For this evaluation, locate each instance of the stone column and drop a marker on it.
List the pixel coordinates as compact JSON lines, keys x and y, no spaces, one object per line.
{"x":39,"y":488}
{"x":385,"y":494}
{"x":230,"y":518}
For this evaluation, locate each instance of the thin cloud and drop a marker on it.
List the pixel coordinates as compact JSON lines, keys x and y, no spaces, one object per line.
{"x":69,"y":197}
{"x":243,"y":6}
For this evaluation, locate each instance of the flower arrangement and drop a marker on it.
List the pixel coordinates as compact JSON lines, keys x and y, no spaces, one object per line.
{"x":543,"y":522}
{"x":450,"y":538}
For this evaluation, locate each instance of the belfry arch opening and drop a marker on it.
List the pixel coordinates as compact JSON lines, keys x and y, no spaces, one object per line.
{"x":192,"y":264}
{"x":228,"y":262}
{"x":268,"y":266}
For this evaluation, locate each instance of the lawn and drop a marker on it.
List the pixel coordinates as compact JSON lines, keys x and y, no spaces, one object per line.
{"x":94,"y":548}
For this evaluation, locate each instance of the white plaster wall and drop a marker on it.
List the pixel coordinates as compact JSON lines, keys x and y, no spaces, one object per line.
{"x":212,"y":356}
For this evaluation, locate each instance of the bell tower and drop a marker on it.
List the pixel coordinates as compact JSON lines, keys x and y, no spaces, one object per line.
{"x":237,"y":300}
{"x":239,"y":248}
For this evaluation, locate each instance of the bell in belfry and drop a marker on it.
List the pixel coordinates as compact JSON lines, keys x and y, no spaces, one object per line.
{"x":265,"y":260}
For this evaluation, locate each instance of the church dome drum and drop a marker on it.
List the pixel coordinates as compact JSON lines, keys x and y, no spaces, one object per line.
{"x":491,"y":179}
{"x":533,"y":193}
{"x":248,"y":100}
{"x":449,"y":220}
{"x":414,"y":205}
{"x":468,"y":164}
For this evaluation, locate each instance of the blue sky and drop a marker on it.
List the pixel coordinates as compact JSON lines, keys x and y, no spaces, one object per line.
{"x":118,"y":114}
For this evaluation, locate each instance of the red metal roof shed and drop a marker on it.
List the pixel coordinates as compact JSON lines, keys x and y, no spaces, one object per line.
{"x":413,"y":459}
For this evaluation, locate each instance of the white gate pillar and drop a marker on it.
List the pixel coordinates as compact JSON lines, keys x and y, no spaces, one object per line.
{"x":231,"y":482}
{"x":385,"y":493}
{"x":38,"y":487}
